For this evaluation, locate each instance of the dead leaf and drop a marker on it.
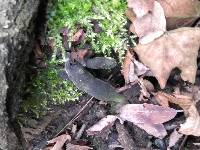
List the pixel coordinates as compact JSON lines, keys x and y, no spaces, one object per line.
{"x":151,"y":24}
{"x":183,"y":8}
{"x":104,"y":123}
{"x":141,"y":7}
{"x":157,"y":130}
{"x":180,"y":13}
{"x":59,"y":141}
{"x":146,"y":113}
{"x":148,"y":85}
{"x":192,"y":124}
{"x":79,"y":36}
{"x":130,"y":14}
{"x":183,"y":101}
{"x":148,"y":117}
{"x":176,"y":48}
{"x":132,"y":68}
{"x":144,"y":92}
{"x":64,"y":34}
{"x":70,"y":146}
{"x":174,"y":138}
{"x":79,"y":55}
{"x":126,"y":66}
{"x":162,"y":99}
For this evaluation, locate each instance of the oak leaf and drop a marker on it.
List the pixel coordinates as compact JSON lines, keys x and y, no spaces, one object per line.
{"x":176,"y":48}
{"x":150,"y":22}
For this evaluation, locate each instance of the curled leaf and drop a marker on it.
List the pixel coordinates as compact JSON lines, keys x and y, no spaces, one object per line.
{"x":192,"y":124}
{"x":104,"y":123}
{"x":176,"y":48}
{"x":132,"y":68}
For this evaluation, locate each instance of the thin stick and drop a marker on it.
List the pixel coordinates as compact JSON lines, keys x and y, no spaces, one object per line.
{"x":183,"y":142}
{"x":75,"y":117}
{"x":80,"y":132}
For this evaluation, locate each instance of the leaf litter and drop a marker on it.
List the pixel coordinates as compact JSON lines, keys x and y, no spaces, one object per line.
{"x":159,"y":51}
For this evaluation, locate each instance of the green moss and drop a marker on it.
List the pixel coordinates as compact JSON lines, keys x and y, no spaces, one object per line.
{"x":109,"y":13}
{"x":48,"y":88}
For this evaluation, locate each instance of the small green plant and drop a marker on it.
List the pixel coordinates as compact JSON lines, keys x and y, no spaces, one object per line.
{"x":108,"y":13}
{"x":48,"y":88}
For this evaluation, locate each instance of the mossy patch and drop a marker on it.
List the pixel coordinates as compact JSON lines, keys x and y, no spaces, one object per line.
{"x":108,"y":13}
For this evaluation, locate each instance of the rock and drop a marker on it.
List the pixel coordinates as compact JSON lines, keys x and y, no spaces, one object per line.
{"x":16,"y":43}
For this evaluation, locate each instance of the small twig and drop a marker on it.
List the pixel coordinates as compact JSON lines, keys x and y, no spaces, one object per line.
{"x":197,"y":144}
{"x":183,"y":142}
{"x":75,"y":117}
{"x":80,"y":132}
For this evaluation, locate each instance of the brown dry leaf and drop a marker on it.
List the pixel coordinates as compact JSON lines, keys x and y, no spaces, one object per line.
{"x":126,"y":66}
{"x":132,"y":68}
{"x":162,"y":99}
{"x":146,"y":116}
{"x":183,"y":101}
{"x":141,"y":7}
{"x":148,"y":85}
{"x":180,"y":13}
{"x":146,"y":113}
{"x":183,"y":8}
{"x":174,"y":138}
{"x":59,"y":141}
{"x":104,"y":123}
{"x":144,"y":95}
{"x":80,"y":54}
{"x":192,"y":124}
{"x":157,"y":130}
{"x":130,"y":14}
{"x":70,"y":146}
{"x":151,"y":24}
{"x":176,"y":48}
{"x":79,"y":36}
